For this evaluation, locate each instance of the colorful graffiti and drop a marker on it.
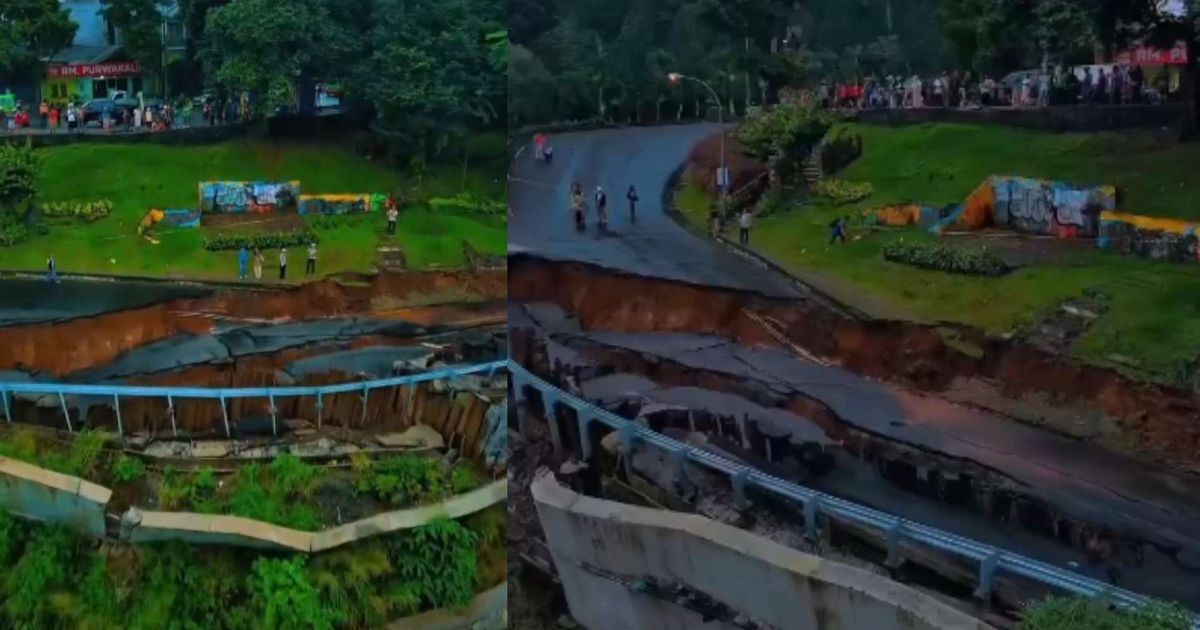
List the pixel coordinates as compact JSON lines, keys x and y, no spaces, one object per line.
{"x":342,"y":204}
{"x":184,"y":218}
{"x":1020,"y":203}
{"x":1149,"y":237}
{"x":257,"y":197}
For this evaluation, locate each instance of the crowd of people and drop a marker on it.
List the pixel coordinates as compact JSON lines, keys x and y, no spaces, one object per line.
{"x":71,"y":118}
{"x":1114,"y":84}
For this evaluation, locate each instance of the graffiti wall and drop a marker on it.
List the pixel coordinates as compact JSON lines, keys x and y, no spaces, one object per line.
{"x":1052,"y":208}
{"x":258,"y":197}
{"x":1149,"y":237}
{"x":1026,"y":205}
{"x":342,"y":204}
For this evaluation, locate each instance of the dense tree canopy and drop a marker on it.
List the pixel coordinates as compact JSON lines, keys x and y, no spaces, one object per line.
{"x":31,"y":30}
{"x":583,"y":59}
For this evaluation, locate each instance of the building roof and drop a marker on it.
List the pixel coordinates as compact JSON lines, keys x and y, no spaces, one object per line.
{"x":84,"y":54}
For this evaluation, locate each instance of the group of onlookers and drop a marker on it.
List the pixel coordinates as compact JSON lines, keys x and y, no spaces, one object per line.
{"x":1115,"y":84}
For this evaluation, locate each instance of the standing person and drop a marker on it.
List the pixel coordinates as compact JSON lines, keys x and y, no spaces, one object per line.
{"x":71,"y":118}
{"x":55,"y":114}
{"x":149,"y":118}
{"x":310,"y":267}
{"x":632,"y":196}
{"x":601,"y":207}
{"x":44,"y":113}
{"x":208,"y":113}
{"x":137,"y":117}
{"x":392,"y":215}
{"x":1044,"y":89}
{"x":258,"y":263}
{"x":745,"y":222}
{"x":283,"y":264}
{"x":51,"y":269}
{"x":837,"y":230}
{"x":243,"y":262}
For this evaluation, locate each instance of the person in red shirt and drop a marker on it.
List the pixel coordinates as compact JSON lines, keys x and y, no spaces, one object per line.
{"x":53,"y":118}
{"x":44,"y":112}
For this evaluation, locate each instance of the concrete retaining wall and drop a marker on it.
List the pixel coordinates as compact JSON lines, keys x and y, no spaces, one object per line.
{"x":45,"y":495}
{"x":489,"y":610}
{"x":593,"y":540}
{"x":243,"y":532}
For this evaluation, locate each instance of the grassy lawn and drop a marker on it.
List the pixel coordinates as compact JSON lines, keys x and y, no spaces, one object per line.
{"x":138,"y":177}
{"x":1154,"y":316}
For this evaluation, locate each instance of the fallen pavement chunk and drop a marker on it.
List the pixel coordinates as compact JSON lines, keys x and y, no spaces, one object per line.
{"x":418,"y":436}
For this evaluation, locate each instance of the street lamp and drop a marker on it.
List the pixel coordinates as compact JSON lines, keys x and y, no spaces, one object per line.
{"x":722,"y":176}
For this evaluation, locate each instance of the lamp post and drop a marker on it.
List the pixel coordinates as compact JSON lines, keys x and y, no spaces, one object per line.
{"x":675,"y":78}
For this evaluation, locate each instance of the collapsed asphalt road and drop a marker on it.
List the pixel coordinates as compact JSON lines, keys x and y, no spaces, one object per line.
{"x":34,"y":301}
{"x":654,"y":244}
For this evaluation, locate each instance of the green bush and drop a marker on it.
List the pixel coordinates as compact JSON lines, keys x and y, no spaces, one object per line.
{"x":467,"y":203}
{"x":440,"y":563}
{"x":841,"y":191}
{"x":402,"y":480}
{"x":284,"y":597}
{"x":273,"y":240}
{"x":946,"y":258}
{"x":128,"y":468}
{"x":787,"y":130}
{"x":88,"y":211}
{"x":13,"y":234}
{"x":1077,"y":613}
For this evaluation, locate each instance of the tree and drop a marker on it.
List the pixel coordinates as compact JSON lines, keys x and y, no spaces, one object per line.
{"x":32,"y":30}
{"x":263,"y":47}
{"x":140,"y":24}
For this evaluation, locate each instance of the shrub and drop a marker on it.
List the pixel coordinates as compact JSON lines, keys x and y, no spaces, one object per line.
{"x":403,"y":480}
{"x":284,"y":598}
{"x":88,"y":210}
{"x":273,"y":240}
{"x":467,"y":203}
{"x":946,"y":258}
{"x":1069,"y":613}
{"x":13,"y":234}
{"x":841,"y":191}
{"x":127,"y":469}
{"x":439,"y":563}
{"x":784,"y":130}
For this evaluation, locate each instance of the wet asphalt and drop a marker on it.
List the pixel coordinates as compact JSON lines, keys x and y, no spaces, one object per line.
{"x":653,"y":243}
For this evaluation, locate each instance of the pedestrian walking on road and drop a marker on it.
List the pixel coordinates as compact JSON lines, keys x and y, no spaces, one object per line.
{"x":283,"y":264}
{"x":243,"y":262}
{"x":745,"y":222}
{"x":51,"y":269}
{"x":601,"y":207}
{"x":258,"y":263}
{"x":632,"y":195}
{"x":310,"y":267}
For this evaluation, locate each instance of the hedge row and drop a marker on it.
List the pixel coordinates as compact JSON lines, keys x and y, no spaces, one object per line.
{"x":939,"y":257}
{"x":87,"y":210}
{"x":469,"y":204}
{"x":841,"y":191}
{"x":270,"y":240}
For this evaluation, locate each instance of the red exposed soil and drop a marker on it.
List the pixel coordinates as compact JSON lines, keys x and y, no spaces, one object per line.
{"x":705,"y":158}
{"x":69,"y":346}
{"x":1149,"y":421}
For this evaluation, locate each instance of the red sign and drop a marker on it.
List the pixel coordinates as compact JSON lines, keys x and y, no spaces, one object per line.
{"x":88,"y":70}
{"x":1147,"y":56}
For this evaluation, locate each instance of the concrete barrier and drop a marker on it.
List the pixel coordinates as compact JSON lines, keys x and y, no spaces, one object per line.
{"x":606,"y":553}
{"x":45,"y":495}
{"x":488,"y":610}
{"x":220,"y":529}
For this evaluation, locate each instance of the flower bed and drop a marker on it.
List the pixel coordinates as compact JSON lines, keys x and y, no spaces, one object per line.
{"x":88,"y":211}
{"x":841,"y":191}
{"x":273,"y":240}
{"x":938,"y":257}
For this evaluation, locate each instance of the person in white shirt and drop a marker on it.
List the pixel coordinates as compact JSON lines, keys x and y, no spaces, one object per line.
{"x":283,"y":264}
{"x":745,"y":222}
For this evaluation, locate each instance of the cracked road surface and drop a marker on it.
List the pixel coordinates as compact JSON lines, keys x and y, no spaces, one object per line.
{"x":653,"y":245}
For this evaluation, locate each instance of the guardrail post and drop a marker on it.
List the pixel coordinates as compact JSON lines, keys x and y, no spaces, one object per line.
{"x":7,"y":411}
{"x":225,"y":416}
{"x":117,"y":408}
{"x":171,"y":415}
{"x":987,"y":572}
{"x":741,"y":479}
{"x":679,"y":459}
{"x":549,"y":400}
{"x":66,"y":413}
{"x":320,"y":407}
{"x":364,"y":402}
{"x":627,"y":434}
{"x":585,"y":439}
{"x":274,"y":414}
{"x":812,"y":511}
{"x":895,"y":533}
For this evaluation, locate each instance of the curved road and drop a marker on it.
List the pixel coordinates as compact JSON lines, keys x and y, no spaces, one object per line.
{"x":653,"y":245}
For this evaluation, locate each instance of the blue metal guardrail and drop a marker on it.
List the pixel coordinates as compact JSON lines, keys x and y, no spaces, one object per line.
{"x":991,"y":559}
{"x":116,"y":392}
